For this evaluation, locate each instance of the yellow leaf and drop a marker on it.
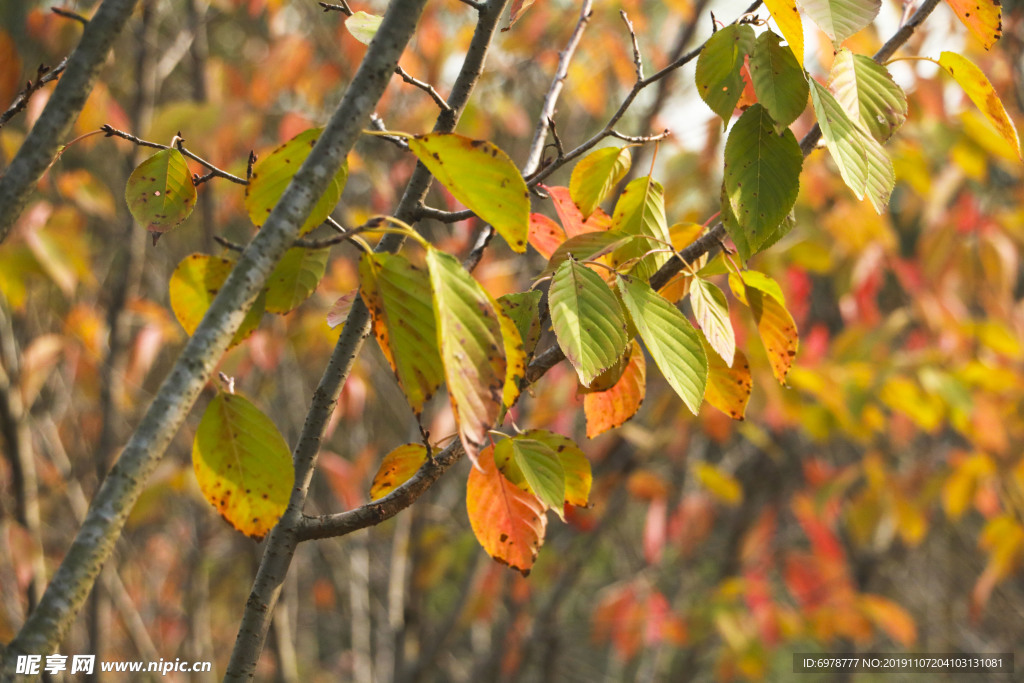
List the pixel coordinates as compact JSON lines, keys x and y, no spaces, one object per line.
{"x":787,"y":17}
{"x":722,"y":486}
{"x":728,"y":389}
{"x":397,"y":468}
{"x":981,"y":92}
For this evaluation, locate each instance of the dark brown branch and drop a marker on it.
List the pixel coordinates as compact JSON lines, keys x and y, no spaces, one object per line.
{"x":430,"y":212}
{"x":214,"y":171}
{"x":68,"y":14}
{"x":44,"y":75}
{"x":425,"y":87}
{"x":342,"y":7}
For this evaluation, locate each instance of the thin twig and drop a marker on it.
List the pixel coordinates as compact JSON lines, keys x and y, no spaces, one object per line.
{"x":377,"y":123}
{"x":478,"y":6}
{"x":639,"y":139}
{"x":425,"y":87}
{"x":342,"y":7}
{"x":44,"y":75}
{"x":441,"y":216}
{"x":547,"y":110}
{"x":638,"y":60}
{"x":110,"y":131}
{"x":68,"y":14}
{"x":627,"y":102}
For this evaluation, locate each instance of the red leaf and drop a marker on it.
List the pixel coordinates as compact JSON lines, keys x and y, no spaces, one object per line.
{"x":572,"y":218}
{"x":545,"y":235}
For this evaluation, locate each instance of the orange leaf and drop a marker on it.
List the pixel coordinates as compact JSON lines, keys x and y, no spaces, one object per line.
{"x":609,"y":409}
{"x":545,"y":235}
{"x":891,"y":618}
{"x":516,"y":11}
{"x":774,"y":323}
{"x":397,"y":468}
{"x":572,"y":218}
{"x":728,"y":389}
{"x":508,"y":522}
{"x":982,"y":17}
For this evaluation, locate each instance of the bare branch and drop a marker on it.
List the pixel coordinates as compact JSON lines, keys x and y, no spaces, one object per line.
{"x":68,"y":14}
{"x":623,"y":108}
{"x":425,"y":87}
{"x":342,"y":7}
{"x":283,"y":538}
{"x":214,"y":171}
{"x":423,"y":211}
{"x":547,"y":109}
{"x":640,"y":139}
{"x":638,"y":60}
{"x":42,"y":143}
{"x":44,"y":75}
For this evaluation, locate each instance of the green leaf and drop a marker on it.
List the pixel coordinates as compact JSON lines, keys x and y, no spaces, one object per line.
{"x":397,"y":293}
{"x":712,"y":313}
{"x":243,"y":465}
{"x":596,"y":175}
{"x":272,"y":174}
{"x":194,"y":284}
{"x":397,"y":468}
{"x":669,"y":338}
{"x":587,"y":320}
{"x":482,"y":177}
{"x":578,"y":477}
{"x":719,"y":81}
{"x":588,"y":246}
{"x":778,"y":79}
{"x":363,"y":26}
{"x":295,"y":278}
{"x":469,"y":336}
{"x":762,"y":175}
{"x":787,"y":17}
{"x":762,"y":282}
{"x":980,"y":90}
{"x":640,"y":211}
{"x":866,"y":91}
{"x":533,"y":466}
{"x":524,"y":310}
{"x":160,"y":193}
{"x":840,"y":19}
{"x":862,"y":161}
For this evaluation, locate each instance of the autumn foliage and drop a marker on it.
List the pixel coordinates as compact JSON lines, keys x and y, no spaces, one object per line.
{"x":724,"y":313}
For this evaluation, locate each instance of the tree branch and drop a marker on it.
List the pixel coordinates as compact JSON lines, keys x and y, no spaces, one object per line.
{"x":284,"y":537}
{"x":547,"y":109}
{"x":41,"y":145}
{"x":44,"y":75}
{"x":328,"y":526}
{"x":92,"y":546}
{"x":627,"y":102}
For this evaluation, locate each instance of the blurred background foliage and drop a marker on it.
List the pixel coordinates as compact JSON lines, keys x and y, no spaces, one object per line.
{"x":874,"y":504}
